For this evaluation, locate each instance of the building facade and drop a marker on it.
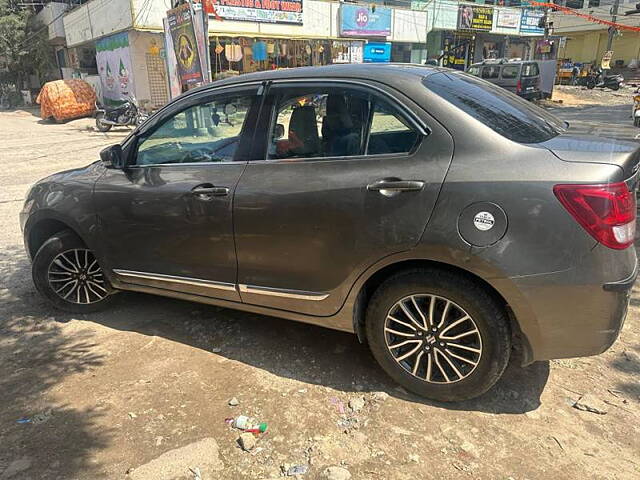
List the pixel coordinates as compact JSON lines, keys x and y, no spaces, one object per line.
{"x":586,"y":41}
{"x":247,"y":36}
{"x":463,"y":33}
{"x":318,"y":34}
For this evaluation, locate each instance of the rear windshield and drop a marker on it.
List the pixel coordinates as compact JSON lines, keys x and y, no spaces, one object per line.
{"x":530,"y":70}
{"x":500,"y":110}
{"x":510,"y":71}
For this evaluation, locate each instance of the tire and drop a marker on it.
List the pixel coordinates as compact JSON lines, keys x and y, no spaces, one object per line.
{"x":101,"y":127}
{"x":591,"y":84}
{"x":615,"y":87}
{"x":492,"y":339}
{"x":53,"y":270}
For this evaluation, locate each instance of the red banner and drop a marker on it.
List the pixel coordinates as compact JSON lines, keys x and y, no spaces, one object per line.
{"x":590,"y":18}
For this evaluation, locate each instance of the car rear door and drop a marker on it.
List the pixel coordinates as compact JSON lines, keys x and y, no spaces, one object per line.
{"x":166,"y":219}
{"x":509,"y":75}
{"x":530,"y":78}
{"x":351,"y":175}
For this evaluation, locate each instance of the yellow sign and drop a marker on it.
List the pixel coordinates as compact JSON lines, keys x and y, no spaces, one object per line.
{"x":606,"y":60}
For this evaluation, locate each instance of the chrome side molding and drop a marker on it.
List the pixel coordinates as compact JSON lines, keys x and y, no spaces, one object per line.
{"x":277,"y":292}
{"x":130,"y":274}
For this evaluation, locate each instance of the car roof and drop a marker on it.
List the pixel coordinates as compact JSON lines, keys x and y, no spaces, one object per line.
{"x":500,"y":64}
{"x":389,"y":73}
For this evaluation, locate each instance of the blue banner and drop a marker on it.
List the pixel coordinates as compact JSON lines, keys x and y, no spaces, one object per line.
{"x":529,"y":21}
{"x":377,"y":52}
{"x":363,"y":21}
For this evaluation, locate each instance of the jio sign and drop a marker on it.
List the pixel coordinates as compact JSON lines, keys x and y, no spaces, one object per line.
{"x":362,"y":17}
{"x":356,"y":21}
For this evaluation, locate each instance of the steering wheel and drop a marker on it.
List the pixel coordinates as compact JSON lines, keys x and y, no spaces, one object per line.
{"x":197,"y":155}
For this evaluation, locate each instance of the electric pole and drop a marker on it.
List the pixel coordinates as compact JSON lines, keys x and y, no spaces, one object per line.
{"x":612,"y":29}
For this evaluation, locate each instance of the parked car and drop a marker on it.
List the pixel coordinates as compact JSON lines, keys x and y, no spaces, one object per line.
{"x":521,"y":78}
{"x":436,"y":215}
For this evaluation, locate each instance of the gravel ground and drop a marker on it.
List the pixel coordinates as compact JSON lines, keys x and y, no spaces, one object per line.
{"x":571,"y":95}
{"x":142,"y":391}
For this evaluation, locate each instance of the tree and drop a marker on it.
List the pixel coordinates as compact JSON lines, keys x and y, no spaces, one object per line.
{"x":24,"y":46}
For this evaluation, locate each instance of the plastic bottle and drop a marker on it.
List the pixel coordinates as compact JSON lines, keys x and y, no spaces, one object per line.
{"x":248,"y":424}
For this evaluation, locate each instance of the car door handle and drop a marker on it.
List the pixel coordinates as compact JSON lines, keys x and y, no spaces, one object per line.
{"x":207,"y":191}
{"x":392,"y":187}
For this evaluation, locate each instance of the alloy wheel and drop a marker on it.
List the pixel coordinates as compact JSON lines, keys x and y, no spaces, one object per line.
{"x":76,"y":277}
{"x":433,"y":338}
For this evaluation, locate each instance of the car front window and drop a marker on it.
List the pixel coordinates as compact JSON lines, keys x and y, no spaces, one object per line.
{"x":208,"y":132}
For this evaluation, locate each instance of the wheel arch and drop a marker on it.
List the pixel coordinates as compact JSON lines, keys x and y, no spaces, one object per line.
{"x":375,"y":280}
{"x":42,"y":230}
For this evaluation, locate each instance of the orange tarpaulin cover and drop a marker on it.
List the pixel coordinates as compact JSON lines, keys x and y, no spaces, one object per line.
{"x":66,"y":99}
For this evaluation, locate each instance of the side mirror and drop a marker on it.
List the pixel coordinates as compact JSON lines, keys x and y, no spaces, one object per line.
{"x":279,"y":131}
{"x":112,"y":156}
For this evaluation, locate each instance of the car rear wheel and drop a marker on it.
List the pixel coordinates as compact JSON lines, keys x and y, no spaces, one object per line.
{"x":438,"y":334}
{"x":67,"y":273}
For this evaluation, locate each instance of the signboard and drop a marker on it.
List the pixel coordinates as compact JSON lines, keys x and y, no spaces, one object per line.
{"x":508,"y":18}
{"x":375,"y":52}
{"x":471,"y":17}
{"x":530,"y":20}
{"x":113,"y":60}
{"x":359,"y":21}
{"x":265,"y":11}
{"x":180,"y":22}
{"x":201,"y":28}
{"x":606,"y":60}
{"x":173,"y":78}
{"x":445,"y":14}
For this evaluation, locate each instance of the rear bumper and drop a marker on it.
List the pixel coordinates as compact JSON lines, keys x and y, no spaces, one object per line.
{"x":577,"y":312}
{"x":534,"y":95}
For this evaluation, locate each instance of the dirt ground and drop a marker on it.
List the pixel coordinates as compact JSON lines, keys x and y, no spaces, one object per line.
{"x":571,"y":95}
{"x":141,"y":391}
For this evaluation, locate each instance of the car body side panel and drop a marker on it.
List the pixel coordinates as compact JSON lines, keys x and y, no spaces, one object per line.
{"x":66,"y":197}
{"x":545,"y":263}
{"x":311,"y":225}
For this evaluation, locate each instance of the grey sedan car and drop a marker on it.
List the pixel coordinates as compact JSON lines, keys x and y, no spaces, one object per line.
{"x":437,"y":216}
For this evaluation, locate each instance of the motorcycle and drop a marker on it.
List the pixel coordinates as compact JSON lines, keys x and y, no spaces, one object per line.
{"x":635,"y":112}
{"x":127,"y":114}
{"x":600,"y":80}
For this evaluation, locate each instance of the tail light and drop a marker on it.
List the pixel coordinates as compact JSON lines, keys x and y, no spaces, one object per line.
{"x":607,"y":212}
{"x":519,"y":87}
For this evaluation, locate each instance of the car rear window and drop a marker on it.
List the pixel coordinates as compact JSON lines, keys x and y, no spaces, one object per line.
{"x":510,"y":71}
{"x":500,"y":110}
{"x":530,"y":70}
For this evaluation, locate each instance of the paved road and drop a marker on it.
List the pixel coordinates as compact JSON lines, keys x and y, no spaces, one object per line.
{"x":612,"y":121}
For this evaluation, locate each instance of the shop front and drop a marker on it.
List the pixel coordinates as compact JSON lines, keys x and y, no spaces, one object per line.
{"x":237,"y":55}
{"x":468,"y":33}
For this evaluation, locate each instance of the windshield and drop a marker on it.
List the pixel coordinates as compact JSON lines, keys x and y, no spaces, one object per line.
{"x":500,"y":110}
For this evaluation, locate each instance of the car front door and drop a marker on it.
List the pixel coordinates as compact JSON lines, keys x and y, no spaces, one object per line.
{"x":166,"y":219}
{"x":351,"y":175}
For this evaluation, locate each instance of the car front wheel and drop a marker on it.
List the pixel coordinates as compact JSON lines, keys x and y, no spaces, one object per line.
{"x":438,"y":334}
{"x":67,"y":273}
